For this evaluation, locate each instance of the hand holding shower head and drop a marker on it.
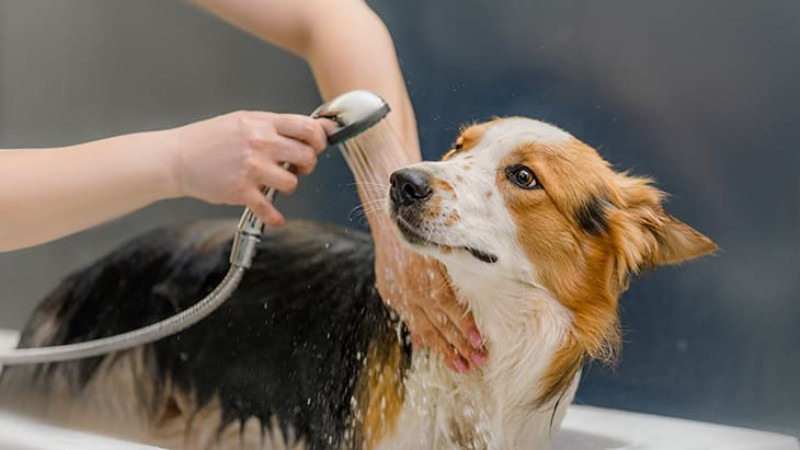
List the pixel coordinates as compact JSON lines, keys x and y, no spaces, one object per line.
{"x":353,"y":113}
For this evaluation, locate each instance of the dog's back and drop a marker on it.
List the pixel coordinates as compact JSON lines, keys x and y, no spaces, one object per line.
{"x":280,"y":361}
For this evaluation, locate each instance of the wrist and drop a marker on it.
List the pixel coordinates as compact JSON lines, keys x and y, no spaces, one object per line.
{"x":166,"y":147}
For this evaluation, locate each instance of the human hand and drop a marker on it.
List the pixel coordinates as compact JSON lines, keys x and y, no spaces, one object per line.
{"x":418,"y":289}
{"x":231,"y":158}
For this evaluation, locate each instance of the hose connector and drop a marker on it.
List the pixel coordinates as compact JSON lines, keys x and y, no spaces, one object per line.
{"x":248,"y":233}
{"x":246,"y":239}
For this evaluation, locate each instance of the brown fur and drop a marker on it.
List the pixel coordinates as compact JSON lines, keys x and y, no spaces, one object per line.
{"x":380,"y":392}
{"x":441,"y":185}
{"x":588,"y":269}
{"x":470,"y":135}
{"x":434,"y":208}
{"x":452,"y":219}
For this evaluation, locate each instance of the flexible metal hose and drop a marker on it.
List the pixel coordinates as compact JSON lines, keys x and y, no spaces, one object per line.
{"x":145,"y":335}
{"x":352,"y":112}
{"x":248,"y":235}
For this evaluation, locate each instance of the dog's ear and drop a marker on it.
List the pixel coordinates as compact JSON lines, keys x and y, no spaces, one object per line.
{"x":644,"y":234}
{"x":679,"y":242}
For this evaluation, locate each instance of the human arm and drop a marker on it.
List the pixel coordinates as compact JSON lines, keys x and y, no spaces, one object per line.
{"x":348,"y":47}
{"x":345,"y":43}
{"x":49,"y":193}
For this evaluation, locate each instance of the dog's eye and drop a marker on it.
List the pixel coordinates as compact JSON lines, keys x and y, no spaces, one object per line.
{"x":522,"y":177}
{"x":458,"y":146}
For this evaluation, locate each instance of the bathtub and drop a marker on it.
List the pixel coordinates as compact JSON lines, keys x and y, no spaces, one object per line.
{"x":584,"y":428}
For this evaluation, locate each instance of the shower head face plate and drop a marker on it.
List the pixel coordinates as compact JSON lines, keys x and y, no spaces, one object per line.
{"x":353,"y":113}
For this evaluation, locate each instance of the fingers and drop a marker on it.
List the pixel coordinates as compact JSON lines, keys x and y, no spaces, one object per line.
{"x":304,"y":129}
{"x":437,"y":319}
{"x":298,"y":141}
{"x":463,"y":321}
{"x":430,"y":335}
{"x":263,"y":208}
{"x":328,"y":125}
{"x":454,"y":321}
{"x":301,"y":156}
{"x":457,"y":338}
{"x":271,"y":175}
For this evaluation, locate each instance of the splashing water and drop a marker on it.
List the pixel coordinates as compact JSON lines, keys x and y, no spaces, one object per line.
{"x":372,"y":156}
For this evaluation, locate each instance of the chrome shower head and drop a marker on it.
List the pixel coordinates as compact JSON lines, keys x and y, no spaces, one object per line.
{"x":353,"y":113}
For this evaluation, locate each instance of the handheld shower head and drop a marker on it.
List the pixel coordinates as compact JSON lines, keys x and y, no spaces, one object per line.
{"x":353,"y":113}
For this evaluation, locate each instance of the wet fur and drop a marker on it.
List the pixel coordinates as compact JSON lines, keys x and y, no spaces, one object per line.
{"x":305,"y":354}
{"x":283,"y":353}
{"x":540,"y":266}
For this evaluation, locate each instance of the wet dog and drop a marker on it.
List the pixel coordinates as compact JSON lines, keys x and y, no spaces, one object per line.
{"x":539,"y":237}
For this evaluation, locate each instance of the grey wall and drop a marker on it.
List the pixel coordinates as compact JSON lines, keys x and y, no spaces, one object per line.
{"x":701,"y":95}
{"x":86,"y":69}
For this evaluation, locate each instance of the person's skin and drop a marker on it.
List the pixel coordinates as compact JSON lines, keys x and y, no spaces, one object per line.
{"x":46,"y":194}
{"x":348,"y":47}
{"x":50,"y":193}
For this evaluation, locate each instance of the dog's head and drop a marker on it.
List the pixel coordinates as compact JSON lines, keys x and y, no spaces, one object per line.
{"x":523,"y":198}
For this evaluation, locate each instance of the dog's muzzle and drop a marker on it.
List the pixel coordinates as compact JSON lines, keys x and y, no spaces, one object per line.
{"x":409,"y":192}
{"x":409,"y":188}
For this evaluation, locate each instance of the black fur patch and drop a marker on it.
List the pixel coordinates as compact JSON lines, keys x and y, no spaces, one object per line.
{"x":592,"y":216}
{"x":290,"y":342}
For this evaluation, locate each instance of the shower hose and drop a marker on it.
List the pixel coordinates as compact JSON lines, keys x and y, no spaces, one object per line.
{"x":352,"y":113}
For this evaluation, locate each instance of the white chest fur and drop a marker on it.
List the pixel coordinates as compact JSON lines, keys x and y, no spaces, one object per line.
{"x":493,"y":407}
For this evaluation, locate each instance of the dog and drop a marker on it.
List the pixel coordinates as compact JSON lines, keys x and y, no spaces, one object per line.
{"x":539,"y":237}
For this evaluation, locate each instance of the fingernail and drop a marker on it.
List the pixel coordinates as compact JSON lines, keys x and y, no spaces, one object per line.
{"x":460,"y":366}
{"x":475,"y":339}
{"x":477,"y":358}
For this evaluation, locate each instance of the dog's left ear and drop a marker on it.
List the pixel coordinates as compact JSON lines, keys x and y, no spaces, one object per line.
{"x":645,"y":235}
{"x":679,"y":242}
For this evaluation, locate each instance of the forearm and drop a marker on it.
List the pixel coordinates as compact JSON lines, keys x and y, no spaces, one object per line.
{"x":344,"y":41}
{"x":49,"y":193}
{"x":350,"y":48}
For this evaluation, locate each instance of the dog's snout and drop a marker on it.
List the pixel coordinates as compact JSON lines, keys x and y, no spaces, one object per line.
{"x":409,"y":186}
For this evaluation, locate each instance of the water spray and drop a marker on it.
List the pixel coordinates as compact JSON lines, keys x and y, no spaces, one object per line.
{"x":352,"y":113}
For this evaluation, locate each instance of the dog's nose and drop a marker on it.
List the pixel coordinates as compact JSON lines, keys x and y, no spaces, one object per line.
{"x":410,"y":186}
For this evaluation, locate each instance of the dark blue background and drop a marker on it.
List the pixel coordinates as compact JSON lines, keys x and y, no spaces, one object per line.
{"x":705,"y":97}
